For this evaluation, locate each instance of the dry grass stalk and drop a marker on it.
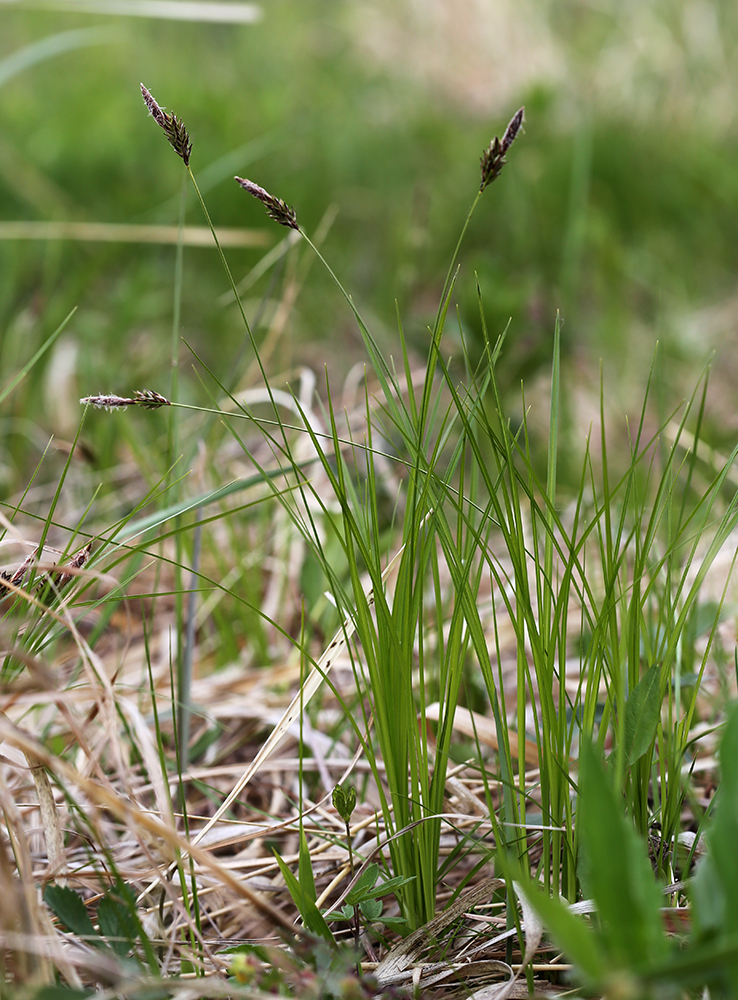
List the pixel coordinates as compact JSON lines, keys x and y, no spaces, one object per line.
{"x":138,"y":821}
{"x":19,"y":911}
{"x":109,"y":232}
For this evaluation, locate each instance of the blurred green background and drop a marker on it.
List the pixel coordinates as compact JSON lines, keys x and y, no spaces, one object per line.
{"x":618,"y":207}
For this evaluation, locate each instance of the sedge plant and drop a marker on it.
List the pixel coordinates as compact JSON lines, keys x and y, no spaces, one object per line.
{"x":622,"y":569}
{"x":447,"y":529}
{"x":390,"y":631}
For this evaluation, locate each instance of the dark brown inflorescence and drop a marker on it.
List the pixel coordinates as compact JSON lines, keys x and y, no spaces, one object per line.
{"x":174,"y":127}
{"x":149,"y":399}
{"x":146,"y":398}
{"x":493,"y":158}
{"x":61,"y":577}
{"x":278,"y":210}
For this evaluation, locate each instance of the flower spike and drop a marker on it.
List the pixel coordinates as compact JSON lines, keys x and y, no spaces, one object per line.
{"x":174,"y":127}
{"x":146,"y":398}
{"x":493,"y":158}
{"x":277,"y":209}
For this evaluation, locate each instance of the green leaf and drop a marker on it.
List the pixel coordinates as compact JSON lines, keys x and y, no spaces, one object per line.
{"x":701,"y":964}
{"x":54,"y":991}
{"x":715,"y":886}
{"x":616,"y":872}
{"x":118,"y":925}
{"x":68,"y":908}
{"x":364,"y":884}
{"x":576,"y":939}
{"x":397,"y":922}
{"x":305,"y":868}
{"x":383,"y":888}
{"x":709,"y":900}
{"x":723,"y":837}
{"x":371,"y":908}
{"x":642,"y":711}
{"x":305,"y":903}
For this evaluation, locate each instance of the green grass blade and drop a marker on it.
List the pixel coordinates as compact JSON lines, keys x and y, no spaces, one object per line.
{"x":304,"y":900}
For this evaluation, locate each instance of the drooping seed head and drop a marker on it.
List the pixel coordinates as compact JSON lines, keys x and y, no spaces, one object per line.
{"x":277,"y":209}
{"x":174,"y":127}
{"x":493,"y":158}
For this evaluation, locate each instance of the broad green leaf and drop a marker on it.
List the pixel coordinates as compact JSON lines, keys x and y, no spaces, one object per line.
{"x":617,"y":873}
{"x":642,"y":711}
{"x":698,"y":965}
{"x":371,"y":908}
{"x":383,"y":888}
{"x":723,"y":838}
{"x":53,"y":991}
{"x":345,"y":913}
{"x":68,"y":907}
{"x":117,"y":924}
{"x":364,"y":883}
{"x":715,"y":886}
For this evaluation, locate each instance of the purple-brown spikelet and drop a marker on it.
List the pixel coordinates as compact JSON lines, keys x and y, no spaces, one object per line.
{"x":107,"y":401}
{"x":174,"y":127}
{"x":16,"y":578}
{"x":146,"y":398}
{"x":277,"y":209}
{"x":62,"y":577}
{"x":149,"y":399}
{"x":52,"y":583}
{"x":493,"y":158}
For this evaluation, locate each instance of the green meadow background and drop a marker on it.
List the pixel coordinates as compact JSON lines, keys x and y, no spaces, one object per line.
{"x":619,"y":207}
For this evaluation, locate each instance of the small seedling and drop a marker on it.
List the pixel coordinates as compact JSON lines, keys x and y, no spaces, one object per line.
{"x":363,"y":898}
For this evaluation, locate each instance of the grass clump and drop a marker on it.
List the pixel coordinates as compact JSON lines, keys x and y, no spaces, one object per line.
{"x":448,"y":557}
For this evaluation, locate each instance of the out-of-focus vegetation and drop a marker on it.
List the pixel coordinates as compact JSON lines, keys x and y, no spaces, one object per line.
{"x":622,"y":211}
